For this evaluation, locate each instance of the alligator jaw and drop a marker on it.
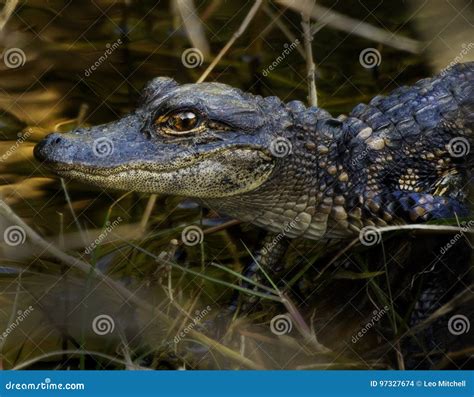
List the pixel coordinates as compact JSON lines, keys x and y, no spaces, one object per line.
{"x":219,"y":173}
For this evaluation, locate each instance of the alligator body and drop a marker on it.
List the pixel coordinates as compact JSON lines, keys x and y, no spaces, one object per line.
{"x":283,"y":166}
{"x":292,"y":170}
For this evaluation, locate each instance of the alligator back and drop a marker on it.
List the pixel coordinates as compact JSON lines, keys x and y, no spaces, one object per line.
{"x":411,"y":152}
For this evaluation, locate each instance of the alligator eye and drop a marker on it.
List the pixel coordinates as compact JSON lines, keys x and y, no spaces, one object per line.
{"x":182,"y":122}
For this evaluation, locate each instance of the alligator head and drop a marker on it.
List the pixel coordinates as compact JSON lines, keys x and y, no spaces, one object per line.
{"x":201,"y":140}
{"x":267,"y":162}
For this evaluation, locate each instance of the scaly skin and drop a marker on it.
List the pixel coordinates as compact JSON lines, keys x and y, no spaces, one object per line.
{"x":286,"y":166}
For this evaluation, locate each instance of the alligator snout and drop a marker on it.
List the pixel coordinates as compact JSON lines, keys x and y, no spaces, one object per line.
{"x":105,"y":145}
{"x":54,"y":148}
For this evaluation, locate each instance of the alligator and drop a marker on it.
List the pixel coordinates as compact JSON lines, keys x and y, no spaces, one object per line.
{"x":402,"y":158}
{"x":293,"y":170}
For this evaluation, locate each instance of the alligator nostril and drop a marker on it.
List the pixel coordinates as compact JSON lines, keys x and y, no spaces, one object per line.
{"x":45,"y":149}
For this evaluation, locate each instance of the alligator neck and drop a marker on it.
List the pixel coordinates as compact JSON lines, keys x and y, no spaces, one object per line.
{"x":307,"y":192}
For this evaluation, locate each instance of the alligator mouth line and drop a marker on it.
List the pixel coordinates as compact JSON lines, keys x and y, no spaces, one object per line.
{"x":104,"y":171}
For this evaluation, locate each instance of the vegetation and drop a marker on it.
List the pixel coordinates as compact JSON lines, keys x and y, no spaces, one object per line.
{"x":105,"y":278}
